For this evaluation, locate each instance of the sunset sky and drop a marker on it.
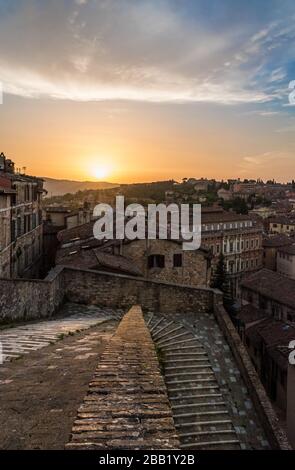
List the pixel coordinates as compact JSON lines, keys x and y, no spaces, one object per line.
{"x":142,"y":90}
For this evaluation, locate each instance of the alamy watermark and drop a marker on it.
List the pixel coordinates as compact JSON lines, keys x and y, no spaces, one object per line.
{"x":157,"y":222}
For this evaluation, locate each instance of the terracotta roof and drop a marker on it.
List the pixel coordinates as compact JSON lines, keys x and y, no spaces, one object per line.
{"x":283,"y":220}
{"x":277,"y":241}
{"x":82,"y":232}
{"x":249,"y":314}
{"x":116,"y":262}
{"x":99,"y":260}
{"x":222,"y":216}
{"x":289,"y":250}
{"x":271,"y":285}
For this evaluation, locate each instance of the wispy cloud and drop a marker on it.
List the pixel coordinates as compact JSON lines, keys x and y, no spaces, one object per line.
{"x":144,"y":51}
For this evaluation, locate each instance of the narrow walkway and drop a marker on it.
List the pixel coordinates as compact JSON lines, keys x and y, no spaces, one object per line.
{"x":126,"y":406}
{"x":20,"y":340}
{"x":202,"y":412}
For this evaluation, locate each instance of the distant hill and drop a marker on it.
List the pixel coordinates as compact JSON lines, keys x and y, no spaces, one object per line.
{"x":59,"y":187}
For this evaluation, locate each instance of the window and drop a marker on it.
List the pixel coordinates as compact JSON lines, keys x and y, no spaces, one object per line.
{"x":217,"y":248}
{"x":19,"y":226}
{"x":156,"y":261}
{"x":27,"y":192}
{"x":34,"y":220}
{"x":177,"y":260}
{"x":13,"y":230}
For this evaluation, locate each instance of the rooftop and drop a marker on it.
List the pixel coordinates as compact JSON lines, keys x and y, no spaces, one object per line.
{"x":276,"y":241}
{"x":249,"y":314}
{"x":271,"y":285}
{"x":288,"y":250}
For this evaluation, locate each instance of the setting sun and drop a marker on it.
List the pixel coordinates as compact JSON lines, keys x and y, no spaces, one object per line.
{"x":101,"y":172}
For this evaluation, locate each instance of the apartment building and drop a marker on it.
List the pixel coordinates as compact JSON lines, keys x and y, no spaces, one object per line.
{"x":238,"y":237}
{"x":20,"y":222}
{"x":282,"y":224}
{"x":286,"y":261}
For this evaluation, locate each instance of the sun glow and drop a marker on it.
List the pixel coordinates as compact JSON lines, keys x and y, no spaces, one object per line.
{"x":101,"y":172}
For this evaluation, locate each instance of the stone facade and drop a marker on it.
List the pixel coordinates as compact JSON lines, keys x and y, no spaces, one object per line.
{"x":126,"y":406}
{"x":179,"y":266}
{"x":20,"y":224}
{"x":238,"y":239}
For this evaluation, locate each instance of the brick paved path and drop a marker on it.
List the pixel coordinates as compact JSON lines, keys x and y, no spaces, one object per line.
{"x":24,"y":339}
{"x":126,"y":406}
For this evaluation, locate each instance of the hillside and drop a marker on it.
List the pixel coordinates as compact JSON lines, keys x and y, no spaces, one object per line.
{"x":57,"y":187}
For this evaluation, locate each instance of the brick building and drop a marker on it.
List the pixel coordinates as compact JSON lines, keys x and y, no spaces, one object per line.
{"x":271,"y":245}
{"x":20,"y":222}
{"x":165,"y":260}
{"x":286,"y":261}
{"x":270,"y":292}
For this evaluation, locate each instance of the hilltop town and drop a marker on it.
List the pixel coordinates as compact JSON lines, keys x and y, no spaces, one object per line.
{"x":212,"y":325}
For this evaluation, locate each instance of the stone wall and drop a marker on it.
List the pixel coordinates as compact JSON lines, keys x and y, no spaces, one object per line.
{"x":126,"y":406}
{"x":269,"y":420}
{"x":28,"y":299}
{"x":121,"y":291}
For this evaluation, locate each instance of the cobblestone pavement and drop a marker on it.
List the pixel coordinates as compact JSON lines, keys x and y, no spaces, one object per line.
{"x":41,"y":391}
{"x":212,"y":407}
{"x":20,"y":340}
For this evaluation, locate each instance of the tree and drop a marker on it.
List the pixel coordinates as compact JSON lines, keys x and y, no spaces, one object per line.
{"x":221,"y":281}
{"x":219,"y":275}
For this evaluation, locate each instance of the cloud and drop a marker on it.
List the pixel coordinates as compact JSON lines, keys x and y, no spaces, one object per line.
{"x":144,"y":51}
{"x":258,"y":164}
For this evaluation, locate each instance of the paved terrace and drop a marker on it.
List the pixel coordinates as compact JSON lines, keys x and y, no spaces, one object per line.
{"x":126,"y":406}
{"x":42,"y":386}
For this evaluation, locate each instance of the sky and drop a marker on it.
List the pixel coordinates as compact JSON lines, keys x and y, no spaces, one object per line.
{"x":145,"y":90}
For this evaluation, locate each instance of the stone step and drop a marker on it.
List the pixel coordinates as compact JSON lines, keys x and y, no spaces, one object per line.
{"x":171,"y":338}
{"x":212,"y":405}
{"x":185,"y":362}
{"x":191,"y":381}
{"x":156,"y":336}
{"x":156,"y":324}
{"x":196,"y":398}
{"x":189,"y":367}
{"x":192,"y":389}
{"x":206,"y":434}
{"x":162,"y":328}
{"x":184,"y":341}
{"x":189,"y":370}
{"x":196,"y":425}
{"x":225,"y":444}
{"x":203,"y":414}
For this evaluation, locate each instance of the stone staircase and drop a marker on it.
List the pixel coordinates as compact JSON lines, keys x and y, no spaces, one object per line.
{"x":200,"y":412}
